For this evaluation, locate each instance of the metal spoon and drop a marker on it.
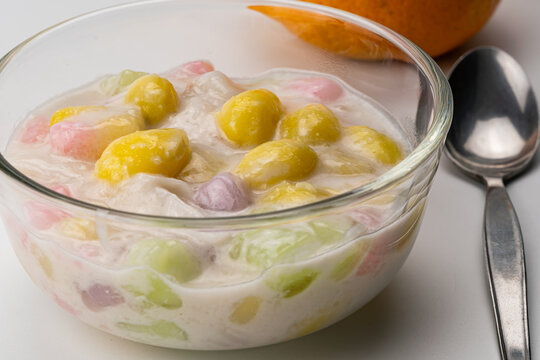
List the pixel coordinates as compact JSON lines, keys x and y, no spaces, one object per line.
{"x":493,"y":137}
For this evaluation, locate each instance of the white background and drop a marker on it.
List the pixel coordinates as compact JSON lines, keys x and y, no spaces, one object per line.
{"x":438,"y":306}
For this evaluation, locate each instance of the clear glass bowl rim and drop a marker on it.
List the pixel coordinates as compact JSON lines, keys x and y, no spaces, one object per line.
{"x":440,"y":124}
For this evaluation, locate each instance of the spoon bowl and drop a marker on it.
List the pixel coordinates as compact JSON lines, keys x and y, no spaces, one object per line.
{"x":493,"y":137}
{"x":495,"y":127}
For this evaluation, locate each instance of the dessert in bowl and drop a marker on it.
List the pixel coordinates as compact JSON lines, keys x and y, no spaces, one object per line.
{"x":249,"y":198}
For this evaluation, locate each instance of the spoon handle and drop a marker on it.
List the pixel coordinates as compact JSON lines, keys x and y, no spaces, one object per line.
{"x":505,"y":260}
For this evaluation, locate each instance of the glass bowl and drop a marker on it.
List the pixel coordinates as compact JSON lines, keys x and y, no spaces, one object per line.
{"x":370,"y":229}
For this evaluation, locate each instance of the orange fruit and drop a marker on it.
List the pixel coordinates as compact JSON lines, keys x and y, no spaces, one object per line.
{"x":332,"y":34}
{"x":436,"y":26}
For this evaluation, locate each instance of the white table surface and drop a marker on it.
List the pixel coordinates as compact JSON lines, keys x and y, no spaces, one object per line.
{"x":438,"y":306}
